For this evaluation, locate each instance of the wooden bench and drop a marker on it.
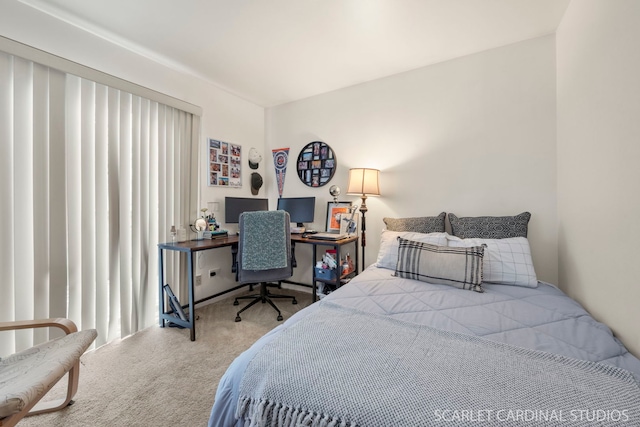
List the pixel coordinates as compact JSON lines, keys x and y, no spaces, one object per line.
{"x":26,"y":376}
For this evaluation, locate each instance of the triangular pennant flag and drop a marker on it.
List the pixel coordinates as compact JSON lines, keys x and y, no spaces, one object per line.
{"x":280,"y":158}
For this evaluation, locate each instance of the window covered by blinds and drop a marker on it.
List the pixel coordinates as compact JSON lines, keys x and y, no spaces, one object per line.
{"x":91,"y":179}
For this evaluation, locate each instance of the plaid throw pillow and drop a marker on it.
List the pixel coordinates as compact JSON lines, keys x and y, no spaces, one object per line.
{"x":459,"y":267}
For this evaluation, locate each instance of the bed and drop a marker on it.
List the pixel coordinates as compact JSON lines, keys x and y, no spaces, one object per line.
{"x":396,"y":349}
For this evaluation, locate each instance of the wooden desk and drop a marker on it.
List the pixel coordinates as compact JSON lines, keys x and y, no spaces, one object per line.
{"x":190,"y":247}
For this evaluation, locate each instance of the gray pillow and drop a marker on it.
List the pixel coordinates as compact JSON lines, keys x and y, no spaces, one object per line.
{"x":490,"y":227}
{"x":423,"y":224}
{"x":442,"y":265}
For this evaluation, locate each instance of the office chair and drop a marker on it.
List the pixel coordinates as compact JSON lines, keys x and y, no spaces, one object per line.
{"x":264,"y":255}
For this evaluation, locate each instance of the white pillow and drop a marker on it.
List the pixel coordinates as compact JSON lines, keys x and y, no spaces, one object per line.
{"x":506,"y":261}
{"x":388,"y":253}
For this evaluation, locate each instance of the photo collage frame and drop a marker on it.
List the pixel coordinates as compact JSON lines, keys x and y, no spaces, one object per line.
{"x":225,"y":165}
{"x":316,"y":164}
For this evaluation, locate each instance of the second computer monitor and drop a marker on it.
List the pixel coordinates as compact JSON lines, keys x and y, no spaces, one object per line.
{"x":234,"y":206}
{"x":301,"y":209}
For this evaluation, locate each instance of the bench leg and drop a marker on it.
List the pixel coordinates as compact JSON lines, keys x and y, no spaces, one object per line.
{"x":50,"y":405}
{"x":57,"y":404}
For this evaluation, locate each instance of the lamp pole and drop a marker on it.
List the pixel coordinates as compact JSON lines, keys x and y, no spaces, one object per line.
{"x":363,"y":228}
{"x":363,"y":181}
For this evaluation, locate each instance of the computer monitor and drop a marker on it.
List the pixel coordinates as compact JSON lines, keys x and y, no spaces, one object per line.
{"x":301,"y":209}
{"x":234,"y":206}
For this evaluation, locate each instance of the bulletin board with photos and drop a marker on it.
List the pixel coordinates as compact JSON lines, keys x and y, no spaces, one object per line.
{"x":224,"y":164}
{"x":316,"y":164}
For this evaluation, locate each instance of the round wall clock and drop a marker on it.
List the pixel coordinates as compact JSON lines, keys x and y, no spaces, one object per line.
{"x":316,"y":164}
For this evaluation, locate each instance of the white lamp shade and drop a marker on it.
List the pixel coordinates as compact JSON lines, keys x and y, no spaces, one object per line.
{"x":364,"y":181}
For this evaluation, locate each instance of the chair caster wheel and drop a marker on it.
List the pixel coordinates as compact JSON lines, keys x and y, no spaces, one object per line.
{"x":236,"y":302}
{"x":294,"y":301}
{"x":238,"y":318}
{"x":279,"y":318}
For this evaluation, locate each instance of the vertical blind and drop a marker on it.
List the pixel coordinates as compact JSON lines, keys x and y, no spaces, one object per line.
{"x":91,"y":179}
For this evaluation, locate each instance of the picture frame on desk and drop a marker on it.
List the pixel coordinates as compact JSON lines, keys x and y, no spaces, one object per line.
{"x":350,"y":222}
{"x":334,"y":212}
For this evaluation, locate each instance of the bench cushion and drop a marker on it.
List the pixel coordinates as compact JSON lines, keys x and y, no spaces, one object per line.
{"x":27,"y":375}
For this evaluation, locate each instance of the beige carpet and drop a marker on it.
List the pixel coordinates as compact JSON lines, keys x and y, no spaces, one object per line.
{"x":158,"y":377}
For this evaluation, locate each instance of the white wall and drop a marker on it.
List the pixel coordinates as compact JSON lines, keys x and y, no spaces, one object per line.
{"x":225,"y":116}
{"x":598,"y":152}
{"x":472,"y":136}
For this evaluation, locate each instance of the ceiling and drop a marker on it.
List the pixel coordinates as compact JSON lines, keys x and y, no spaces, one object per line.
{"x":276,"y":51}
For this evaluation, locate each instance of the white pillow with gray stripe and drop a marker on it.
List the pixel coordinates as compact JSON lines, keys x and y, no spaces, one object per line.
{"x":388,"y":251}
{"x":460,"y":267}
{"x":506,"y":261}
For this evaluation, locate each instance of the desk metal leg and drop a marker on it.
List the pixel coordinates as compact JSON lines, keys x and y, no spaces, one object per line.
{"x":339,"y":267}
{"x":355,"y":243}
{"x":192,"y":320}
{"x":294,"y":263}
{"x":234,"y":259}
{"x":314,"y":293}
{"x":160,"y":287}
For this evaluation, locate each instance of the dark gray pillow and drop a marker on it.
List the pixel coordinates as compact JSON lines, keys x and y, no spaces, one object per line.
{"x":423,"y":224}
{"x":490,"y":227}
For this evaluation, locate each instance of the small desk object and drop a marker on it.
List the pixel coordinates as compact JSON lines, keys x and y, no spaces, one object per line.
{"x":190,"y":247}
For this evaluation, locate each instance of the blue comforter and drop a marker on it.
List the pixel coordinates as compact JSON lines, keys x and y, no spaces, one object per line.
{"x":541,"y":318}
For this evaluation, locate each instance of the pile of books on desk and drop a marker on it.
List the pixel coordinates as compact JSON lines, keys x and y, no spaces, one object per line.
{"x":215,"y":234}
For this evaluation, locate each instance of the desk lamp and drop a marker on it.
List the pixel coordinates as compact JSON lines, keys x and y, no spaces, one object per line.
{"x":363,"y":181}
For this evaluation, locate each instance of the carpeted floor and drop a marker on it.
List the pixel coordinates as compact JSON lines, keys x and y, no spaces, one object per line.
{"x":158,"y":376}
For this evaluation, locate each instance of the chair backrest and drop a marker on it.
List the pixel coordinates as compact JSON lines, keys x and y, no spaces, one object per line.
{"x":266,"y":235}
